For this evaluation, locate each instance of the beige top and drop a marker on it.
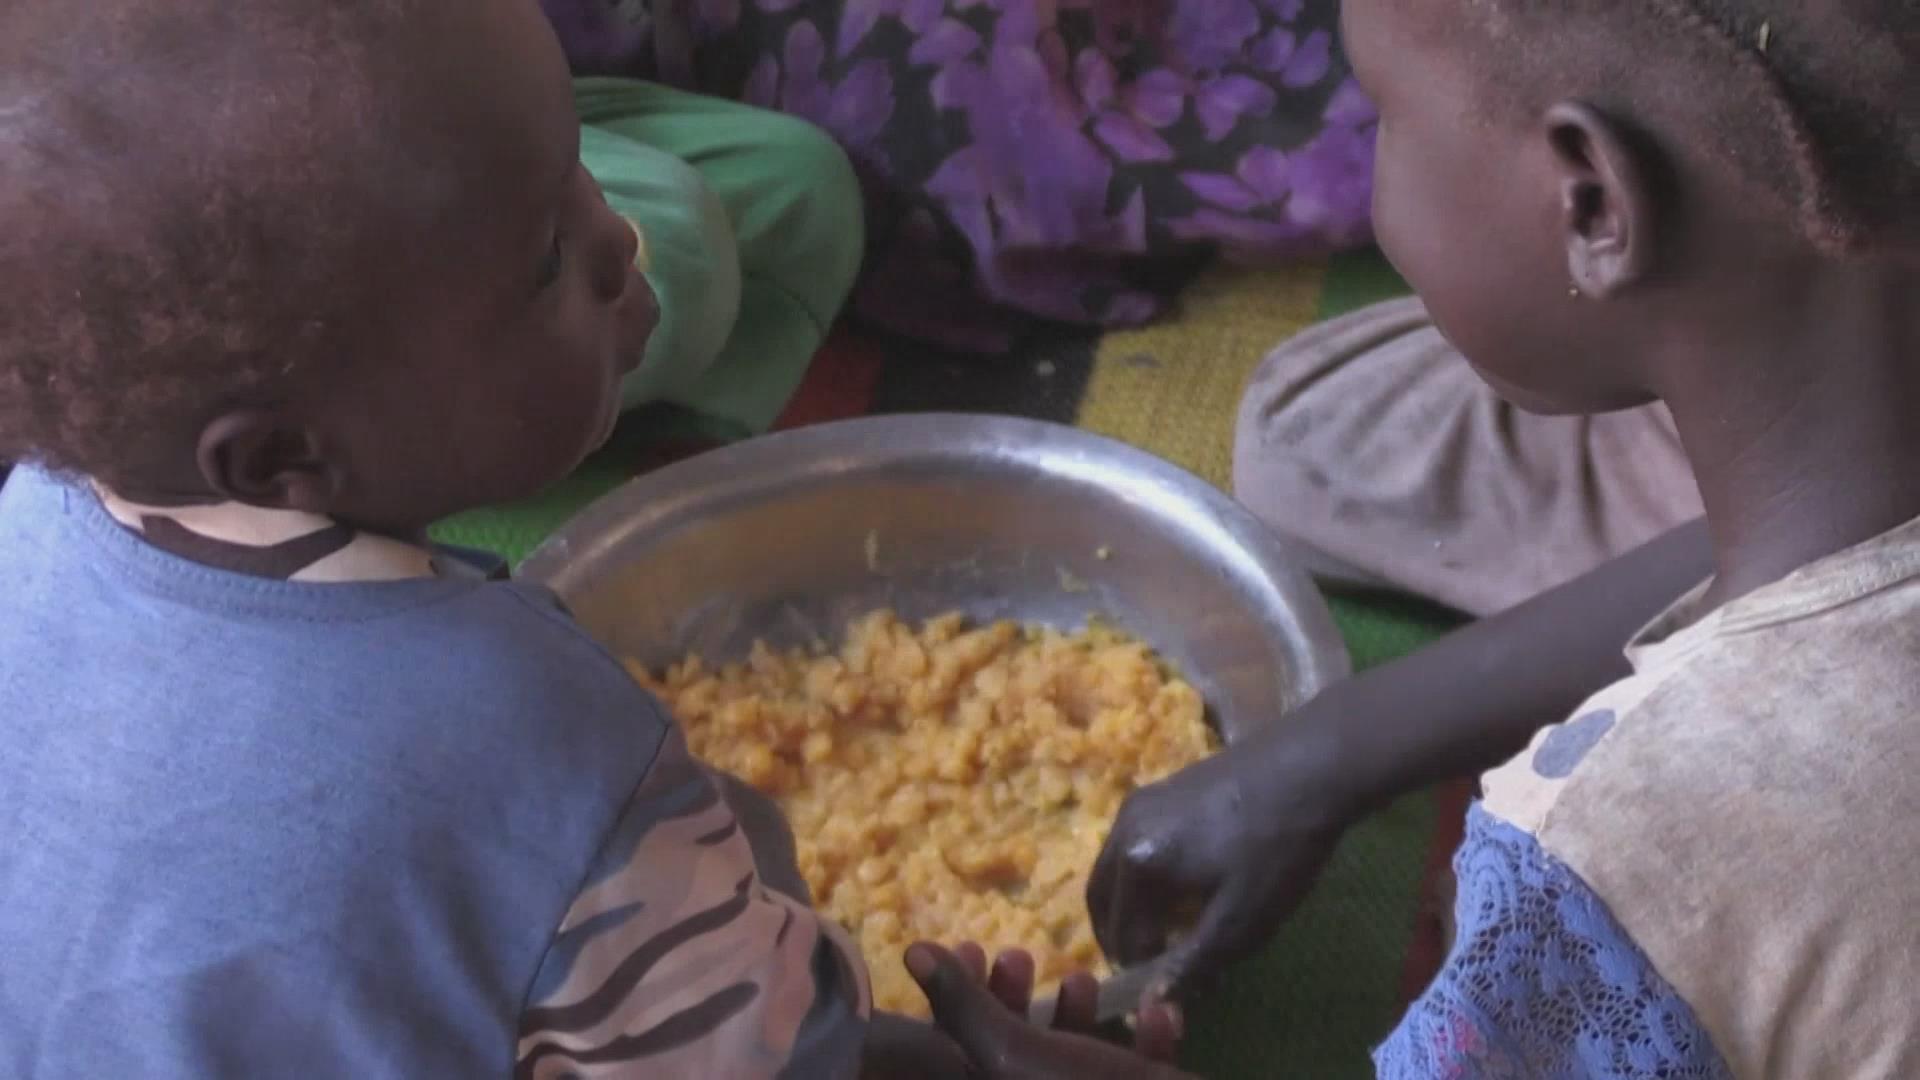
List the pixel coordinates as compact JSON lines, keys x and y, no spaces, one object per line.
{"x":1747,"y":804}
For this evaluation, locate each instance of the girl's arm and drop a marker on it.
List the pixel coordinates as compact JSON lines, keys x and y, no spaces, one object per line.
{"x":1246,"y":832}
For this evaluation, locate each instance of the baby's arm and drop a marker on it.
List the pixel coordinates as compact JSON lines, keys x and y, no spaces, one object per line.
{"x":768,"y":834}
{"x":676,"y":960}
{"x":896,"y":1046}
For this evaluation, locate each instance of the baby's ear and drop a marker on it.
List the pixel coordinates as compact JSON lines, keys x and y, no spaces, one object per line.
{"x":1607,"y":203}
{"x":261,"y":458}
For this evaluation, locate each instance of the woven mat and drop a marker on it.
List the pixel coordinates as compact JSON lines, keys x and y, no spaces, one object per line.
{"x":1369,"y":937}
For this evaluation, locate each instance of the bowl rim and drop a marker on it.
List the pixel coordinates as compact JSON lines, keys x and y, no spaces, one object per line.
{"x":657,"y":497}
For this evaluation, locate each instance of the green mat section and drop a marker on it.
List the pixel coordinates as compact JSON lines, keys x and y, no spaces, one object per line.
{"x":514,"y":531}
{"x":1330,"y":986}
{"x":1357,"y":279}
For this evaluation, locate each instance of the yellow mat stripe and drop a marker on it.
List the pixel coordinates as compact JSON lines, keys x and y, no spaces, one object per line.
{"x":1174,"y":387}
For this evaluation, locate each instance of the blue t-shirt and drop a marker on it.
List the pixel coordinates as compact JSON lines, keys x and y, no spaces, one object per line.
{"x":266,"y":828}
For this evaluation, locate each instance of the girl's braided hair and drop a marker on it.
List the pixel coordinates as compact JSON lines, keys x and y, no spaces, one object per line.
{"x":1817,"y":101}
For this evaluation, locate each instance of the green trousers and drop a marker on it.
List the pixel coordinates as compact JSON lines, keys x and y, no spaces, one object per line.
{"x":754,"y":234}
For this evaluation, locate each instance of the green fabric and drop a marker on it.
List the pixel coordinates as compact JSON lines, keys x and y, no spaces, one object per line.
{"x":754,"y":231}
{"x":692,"y":261}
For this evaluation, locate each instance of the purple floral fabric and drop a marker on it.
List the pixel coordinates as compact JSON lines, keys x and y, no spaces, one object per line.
{"x":1067,"y":160}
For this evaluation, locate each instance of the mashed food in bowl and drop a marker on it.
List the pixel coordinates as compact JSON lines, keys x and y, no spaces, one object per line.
{"x":947,"y":783}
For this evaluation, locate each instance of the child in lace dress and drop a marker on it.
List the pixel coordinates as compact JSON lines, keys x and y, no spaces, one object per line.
{"x":1707,"y":869}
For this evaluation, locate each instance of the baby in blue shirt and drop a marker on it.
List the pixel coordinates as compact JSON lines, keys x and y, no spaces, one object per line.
{"x":286,"y":790}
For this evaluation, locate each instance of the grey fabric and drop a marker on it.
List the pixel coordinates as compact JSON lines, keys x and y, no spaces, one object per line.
{"x":1373,"y":447}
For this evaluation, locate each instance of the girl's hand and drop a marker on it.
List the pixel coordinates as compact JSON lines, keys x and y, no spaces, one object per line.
{"x":1238,"y":838}
{"x":984,"y":1013}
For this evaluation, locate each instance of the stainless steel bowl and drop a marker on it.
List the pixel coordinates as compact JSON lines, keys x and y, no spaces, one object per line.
{"x":790,"y":537}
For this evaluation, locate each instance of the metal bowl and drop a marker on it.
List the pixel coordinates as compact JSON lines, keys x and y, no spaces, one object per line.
{"x":788,"y":538}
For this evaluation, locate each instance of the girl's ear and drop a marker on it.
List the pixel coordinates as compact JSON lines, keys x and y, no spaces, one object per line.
{"x":1607,"y":207}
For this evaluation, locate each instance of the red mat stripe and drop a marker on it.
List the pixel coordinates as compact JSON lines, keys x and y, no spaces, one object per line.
{"x":1428,"y":949}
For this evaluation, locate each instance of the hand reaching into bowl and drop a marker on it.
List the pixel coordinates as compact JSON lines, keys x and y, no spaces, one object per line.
{"x":985,"y":1014}
{"x":1239,"y":837}
{"x":1242,"y":836}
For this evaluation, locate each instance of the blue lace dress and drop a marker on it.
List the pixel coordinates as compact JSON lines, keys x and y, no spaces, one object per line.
{"x":1542,"y":982}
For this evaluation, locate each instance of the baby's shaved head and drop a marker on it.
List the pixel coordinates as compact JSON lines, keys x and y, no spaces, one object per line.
{"x":188,"y":192}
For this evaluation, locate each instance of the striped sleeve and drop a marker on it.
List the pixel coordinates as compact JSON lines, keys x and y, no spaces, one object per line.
{"x":676,"y":961}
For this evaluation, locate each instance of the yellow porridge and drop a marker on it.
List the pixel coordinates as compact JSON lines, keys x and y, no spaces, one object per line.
{"x":951,"y":783}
